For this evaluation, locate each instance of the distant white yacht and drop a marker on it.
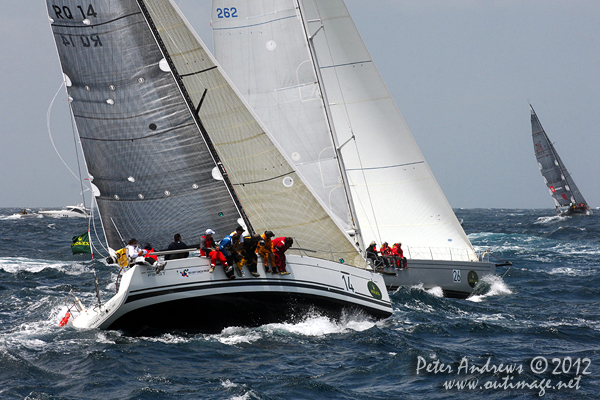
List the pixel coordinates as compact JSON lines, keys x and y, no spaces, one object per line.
{"x":69,"y":211}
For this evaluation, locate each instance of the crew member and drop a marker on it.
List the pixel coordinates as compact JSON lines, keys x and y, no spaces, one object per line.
{"x":280,"y":245}
{"x":249,"y":256}
{"x":230,"y":246}
{"x":398,"y":254}
{"x":265,"y":250}
{"x":176,"y":245}
{"x":208,"y":248}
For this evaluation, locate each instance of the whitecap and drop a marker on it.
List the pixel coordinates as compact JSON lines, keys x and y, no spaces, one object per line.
{"x":568,"y":271}
{"x":551,"y":220}
{"x":488,"y":286}
{"x":228,"y":384}
{"x":319,"y":325}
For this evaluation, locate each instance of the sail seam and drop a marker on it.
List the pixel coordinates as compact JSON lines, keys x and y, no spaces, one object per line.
{"x":385,"y":167}
{"x":94,"y":25}
{"x":250,"y":26}
{"x":345,"y":65}
{"x":136,"y":138}
{"x":197,"y":72}
{"x":264,"y":180}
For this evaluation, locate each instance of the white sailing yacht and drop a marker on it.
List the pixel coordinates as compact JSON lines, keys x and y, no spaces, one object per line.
{"x":171,"y":147}
{"x":304,"y":69}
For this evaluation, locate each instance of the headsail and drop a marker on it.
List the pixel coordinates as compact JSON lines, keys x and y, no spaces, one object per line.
{"x":560,"y":184}
{"x":273,"y":194}
{"x":395,"y":195}
{"x":150,"y":166}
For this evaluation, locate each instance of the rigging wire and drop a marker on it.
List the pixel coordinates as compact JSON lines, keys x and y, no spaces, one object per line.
{"x":50,"y":133}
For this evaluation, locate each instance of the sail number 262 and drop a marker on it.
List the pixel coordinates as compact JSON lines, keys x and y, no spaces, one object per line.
{"x":227,"y":12}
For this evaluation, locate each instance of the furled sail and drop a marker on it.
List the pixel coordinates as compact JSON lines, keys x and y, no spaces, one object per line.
{"x":560,"y":184}
{"x":151,"y":169}
{"x":395,"y":195}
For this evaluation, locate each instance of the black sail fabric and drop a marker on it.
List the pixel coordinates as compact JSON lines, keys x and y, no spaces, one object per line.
{"x":152,"y":171}
{"x":557,"y":178}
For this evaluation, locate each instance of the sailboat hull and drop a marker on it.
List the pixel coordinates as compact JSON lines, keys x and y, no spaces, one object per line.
{"x":186,"y":296}
{"x":457,"y":279}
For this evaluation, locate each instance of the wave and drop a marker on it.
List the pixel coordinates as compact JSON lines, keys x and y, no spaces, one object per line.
{"x":489,"y":286}
{"x":15,"y":265}
{"x":551,"y":220}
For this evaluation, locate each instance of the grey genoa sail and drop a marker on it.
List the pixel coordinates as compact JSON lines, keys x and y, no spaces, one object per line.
{"x":151,"y":169}
{"x":567,"y":197}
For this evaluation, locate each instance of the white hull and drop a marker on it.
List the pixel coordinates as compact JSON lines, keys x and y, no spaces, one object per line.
{"x":62,"y":214}
{"x":186,"y":296}
{"x":68,"y":212}
{"x":456,"y":278}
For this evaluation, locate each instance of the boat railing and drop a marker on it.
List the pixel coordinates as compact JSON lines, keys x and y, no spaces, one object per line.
{"x":439,"y":253}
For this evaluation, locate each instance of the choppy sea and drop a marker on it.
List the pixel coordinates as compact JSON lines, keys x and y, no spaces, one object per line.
{"x":533,"y":330}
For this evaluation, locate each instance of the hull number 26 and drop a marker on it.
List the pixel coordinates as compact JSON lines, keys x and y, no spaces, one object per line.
{"x":456,"y":275}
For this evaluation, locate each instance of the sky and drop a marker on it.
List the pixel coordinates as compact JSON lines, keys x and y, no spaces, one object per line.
{"x":462,"y":72}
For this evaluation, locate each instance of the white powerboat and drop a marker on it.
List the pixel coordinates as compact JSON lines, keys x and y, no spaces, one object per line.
{"x":78,"y":211}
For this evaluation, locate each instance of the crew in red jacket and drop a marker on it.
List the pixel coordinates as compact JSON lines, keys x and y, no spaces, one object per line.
{"x":386,"y":252}
{"x":280,"y":245}
{"x":398,"y":254}
{"x":208,"y":248}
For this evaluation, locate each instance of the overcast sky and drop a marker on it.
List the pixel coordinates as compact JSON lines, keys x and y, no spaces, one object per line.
{"x":462,"y":73}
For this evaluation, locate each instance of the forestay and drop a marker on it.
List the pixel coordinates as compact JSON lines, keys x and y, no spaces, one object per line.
{"x":272,"y":193}
{"x":560,"y":184}
{"x":395,"y":194}
{"x":144,"y":152}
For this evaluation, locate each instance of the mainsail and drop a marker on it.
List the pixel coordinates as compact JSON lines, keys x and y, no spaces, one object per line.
{"x":272,"y":47}
{"x":206,"y":161}
{"x":148,"y":162}
{"x":560,"y":184}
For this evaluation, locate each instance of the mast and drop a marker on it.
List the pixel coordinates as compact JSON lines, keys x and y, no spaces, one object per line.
{"x":340,"y":161}
{"x":194,"y":112}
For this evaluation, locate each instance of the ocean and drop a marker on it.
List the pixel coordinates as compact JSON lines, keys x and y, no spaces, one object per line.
{"x":531,"y":331}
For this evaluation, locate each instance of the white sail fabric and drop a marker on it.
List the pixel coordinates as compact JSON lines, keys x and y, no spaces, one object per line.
{"x":273,"y":195}
{"x":395,"y":195}
{"x":282,"y":90}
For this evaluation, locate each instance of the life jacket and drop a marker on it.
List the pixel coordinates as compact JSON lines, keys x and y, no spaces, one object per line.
{"x":210,"y":242}
{"x":149,"y":256}
{"x":267,"y":247}
{"x":122,"y":257}
{"x":397,"y":250}
{"x":279,"y":245}
{"x":385,"y":251}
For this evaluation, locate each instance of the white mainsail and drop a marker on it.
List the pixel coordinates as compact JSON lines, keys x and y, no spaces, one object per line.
{"x":273,"y":195}
{"x":395,"y":195}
